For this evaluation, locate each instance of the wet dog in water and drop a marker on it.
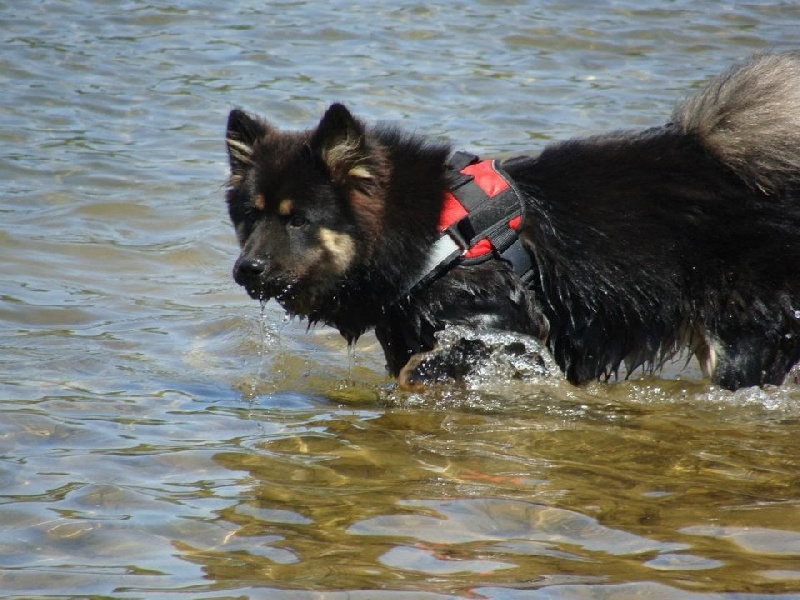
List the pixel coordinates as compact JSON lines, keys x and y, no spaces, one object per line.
{"x":618,"y":250}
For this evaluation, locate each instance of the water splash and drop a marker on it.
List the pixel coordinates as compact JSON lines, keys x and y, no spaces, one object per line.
{"x":478,"y":357}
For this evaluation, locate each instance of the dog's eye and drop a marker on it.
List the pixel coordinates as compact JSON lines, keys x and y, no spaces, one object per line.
{"x":297,"y":221}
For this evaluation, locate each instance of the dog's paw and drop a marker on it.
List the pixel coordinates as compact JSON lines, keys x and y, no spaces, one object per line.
{"x":793,"y":377}
{"x":444,"y":364}
{"x":465,"y":355}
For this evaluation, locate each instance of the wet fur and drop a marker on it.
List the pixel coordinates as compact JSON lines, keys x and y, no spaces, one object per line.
{"x":647,"y":243}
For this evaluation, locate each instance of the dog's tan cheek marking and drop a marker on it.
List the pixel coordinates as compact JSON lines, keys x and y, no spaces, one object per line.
{"x":260,"y":202}
{"x":340,"y":247}
{"x":285,"y":207}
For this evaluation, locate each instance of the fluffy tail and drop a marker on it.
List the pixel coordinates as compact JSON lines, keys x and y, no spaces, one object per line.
{"x":749,"y":118}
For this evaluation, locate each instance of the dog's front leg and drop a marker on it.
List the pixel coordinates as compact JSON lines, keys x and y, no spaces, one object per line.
{"x":446,"y":363}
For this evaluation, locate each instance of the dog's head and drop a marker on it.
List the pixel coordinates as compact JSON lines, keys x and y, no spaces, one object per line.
{"x":306,"y":205}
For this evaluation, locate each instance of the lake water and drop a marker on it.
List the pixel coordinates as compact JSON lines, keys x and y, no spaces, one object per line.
{"x":162,"y":437}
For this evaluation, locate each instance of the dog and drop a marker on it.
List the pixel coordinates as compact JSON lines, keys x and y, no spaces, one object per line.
{"x":616,"y":250}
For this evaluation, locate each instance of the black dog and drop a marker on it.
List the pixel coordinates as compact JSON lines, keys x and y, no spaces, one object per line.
{"x":619,"y":249}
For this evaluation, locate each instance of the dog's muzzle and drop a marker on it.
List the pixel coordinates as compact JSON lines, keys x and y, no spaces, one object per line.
{"x":250,"y":274}
{"x":248,"y":271}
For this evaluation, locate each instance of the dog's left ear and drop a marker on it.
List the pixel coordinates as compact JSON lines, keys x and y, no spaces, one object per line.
{"x":341,"y":141}
{"x":240,"y":136}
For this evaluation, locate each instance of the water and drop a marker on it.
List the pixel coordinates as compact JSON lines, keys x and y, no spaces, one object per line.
{"x":160,"y":439}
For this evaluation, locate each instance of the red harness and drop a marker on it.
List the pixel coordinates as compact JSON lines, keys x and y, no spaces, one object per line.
{"x":481,"y":213}
{"x":485,"y":175}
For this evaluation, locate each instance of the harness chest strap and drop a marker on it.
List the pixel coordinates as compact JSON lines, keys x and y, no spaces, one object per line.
{"x":481,"y":214}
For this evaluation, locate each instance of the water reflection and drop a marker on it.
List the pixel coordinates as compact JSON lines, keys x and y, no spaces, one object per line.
{"x":462,"y":495}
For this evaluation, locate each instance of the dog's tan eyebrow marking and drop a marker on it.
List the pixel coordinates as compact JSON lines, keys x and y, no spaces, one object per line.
{"x":260,"y":202}
{"x":285,"y":207}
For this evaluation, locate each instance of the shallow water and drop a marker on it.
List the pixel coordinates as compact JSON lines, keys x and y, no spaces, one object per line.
{"x":162,"y":437}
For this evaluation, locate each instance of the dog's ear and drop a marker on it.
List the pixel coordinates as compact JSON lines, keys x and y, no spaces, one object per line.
{"x":242,"y":132}
{"x":356,"y":163}
{"x":341,"y":142}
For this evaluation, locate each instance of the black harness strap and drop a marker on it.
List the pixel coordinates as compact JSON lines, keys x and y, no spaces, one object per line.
{"x":477,"y":226}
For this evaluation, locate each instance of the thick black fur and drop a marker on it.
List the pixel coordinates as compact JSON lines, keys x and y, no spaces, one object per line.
{"x":645,"y":244}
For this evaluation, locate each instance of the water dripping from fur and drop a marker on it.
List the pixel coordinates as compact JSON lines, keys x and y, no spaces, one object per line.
{"x":352,"y":390}
{"x":264,"y":335}
{"x":269,"y":341}
{"x":351,"y":361}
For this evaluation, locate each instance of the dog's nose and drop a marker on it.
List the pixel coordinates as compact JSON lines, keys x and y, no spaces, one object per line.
{"x":248,"y":269}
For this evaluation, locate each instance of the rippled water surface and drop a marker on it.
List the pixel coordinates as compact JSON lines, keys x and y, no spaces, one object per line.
{"x":163,"y":437}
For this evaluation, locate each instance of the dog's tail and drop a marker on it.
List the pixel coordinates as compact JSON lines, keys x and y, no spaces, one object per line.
{"x":749,"y":118}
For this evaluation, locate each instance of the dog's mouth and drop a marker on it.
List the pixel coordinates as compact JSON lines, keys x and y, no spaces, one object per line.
{"x":303,"y":294}
{"x":257,"y":286}
{"x":284,"y":292}
{"x":263,"y":292}
{"x":292,"y":293}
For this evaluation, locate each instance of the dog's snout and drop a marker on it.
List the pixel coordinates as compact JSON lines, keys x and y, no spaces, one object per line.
{"x":248,"y":269}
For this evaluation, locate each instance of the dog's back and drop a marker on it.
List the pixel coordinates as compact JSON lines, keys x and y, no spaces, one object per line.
{"x":687,"y":234}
